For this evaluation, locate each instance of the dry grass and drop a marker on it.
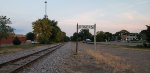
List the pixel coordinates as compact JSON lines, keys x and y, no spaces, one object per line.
{"x":118,"y":64}
{"x":15,"y":48}
{"x":91,"y":61}
{"x":4,"y":51}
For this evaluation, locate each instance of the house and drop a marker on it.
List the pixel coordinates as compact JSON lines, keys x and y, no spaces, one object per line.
{"x":9,"y":39}
{"x":129,"y":37}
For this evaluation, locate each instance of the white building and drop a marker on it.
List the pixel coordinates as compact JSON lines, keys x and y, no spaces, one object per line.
{"x":129,"y":37}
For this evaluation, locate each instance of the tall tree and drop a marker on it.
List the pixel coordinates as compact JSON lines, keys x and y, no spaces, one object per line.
{"x":5,"y":29}
{"x":42,"y":29}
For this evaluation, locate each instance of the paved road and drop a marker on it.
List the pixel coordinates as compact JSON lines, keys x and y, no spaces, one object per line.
{"x":138,"y":58}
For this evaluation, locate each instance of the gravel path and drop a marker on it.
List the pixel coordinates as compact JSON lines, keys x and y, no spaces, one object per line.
{"x":51,"y":63}
{"x":140,"y":59}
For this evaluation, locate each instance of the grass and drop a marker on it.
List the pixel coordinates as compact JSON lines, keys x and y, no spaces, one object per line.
{"x":93,"y":61}
{"x":138,"y":47}
{"x":15,"y":48}
{"x":22,"y":46}
{"x":117,"y":64}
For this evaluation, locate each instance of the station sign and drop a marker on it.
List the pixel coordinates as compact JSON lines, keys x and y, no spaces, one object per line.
{"x":85,"y":26}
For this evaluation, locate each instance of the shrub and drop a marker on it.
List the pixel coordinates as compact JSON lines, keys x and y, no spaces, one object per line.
{"x":16,"y":41}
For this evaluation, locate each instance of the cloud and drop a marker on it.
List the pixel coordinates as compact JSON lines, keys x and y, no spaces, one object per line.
{"x":111,"y":22}
{"x":84,"y":18}
{"x":21,"y":26}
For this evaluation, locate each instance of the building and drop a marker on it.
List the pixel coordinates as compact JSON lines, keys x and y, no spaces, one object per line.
{"x":9,"y":39}
{"x":129,"y":37}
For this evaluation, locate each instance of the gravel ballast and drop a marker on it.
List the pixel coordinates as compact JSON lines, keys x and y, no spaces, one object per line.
{"x":12,"y":56}
{"x":51,"y":63}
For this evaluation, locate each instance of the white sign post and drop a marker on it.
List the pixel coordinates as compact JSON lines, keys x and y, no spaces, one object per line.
{"x":89,"y":27}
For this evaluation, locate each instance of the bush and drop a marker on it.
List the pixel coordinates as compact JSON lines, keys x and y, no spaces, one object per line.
{"x":144,"y":44}
{"x":16,"y":41}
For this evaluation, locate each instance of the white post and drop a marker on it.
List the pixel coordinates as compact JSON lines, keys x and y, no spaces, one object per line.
{"x":95,"y":36}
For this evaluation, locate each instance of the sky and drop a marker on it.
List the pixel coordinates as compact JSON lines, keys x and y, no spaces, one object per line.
{"x":108,"y":15}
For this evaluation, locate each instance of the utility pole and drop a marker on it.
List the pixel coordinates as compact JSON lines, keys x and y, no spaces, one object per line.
{"x":95,"y":36}
{"x":45,"y":10}
{"x":77,"y":41}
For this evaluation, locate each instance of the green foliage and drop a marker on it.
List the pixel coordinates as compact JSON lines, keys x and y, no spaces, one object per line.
{"x":148,"y":34}
{"x":100,"y":37}
{"x":145,"y":34}
{"x":47,"y":31}
{"x":42,"y":29}
{"x":30,"y":36}
{"x":84,"y":34}
{"x":5,"y":29}
{"x":108,"y":36}
{"x":104,"y":36}
{"x":66,"y":39}
{"x":74,"y":37}
{"x":16,"y":41}
{"x":56,"y":32}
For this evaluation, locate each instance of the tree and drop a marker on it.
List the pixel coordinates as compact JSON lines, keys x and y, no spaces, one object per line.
{"x":108,"y":36}
{"x":60,"y":36}
{"x":30,"y":36}
{"x":66,"y":39}
{"x":84,"y":34}
{"x":43,"y":30}
{"x":5,"y":29}
{"x":47,"y":31}
{"x":148,"y":33}
{"x":100,"y":37}
{"x":74,"y":37}
{"x":145,"y":35}
{"x":56,"y":31}
{"x":120,"y":33}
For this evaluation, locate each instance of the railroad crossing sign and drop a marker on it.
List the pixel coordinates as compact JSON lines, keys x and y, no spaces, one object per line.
{"x":86,"y":27}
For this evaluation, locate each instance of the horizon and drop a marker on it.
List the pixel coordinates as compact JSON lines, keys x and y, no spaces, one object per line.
{"x":110,"y":16}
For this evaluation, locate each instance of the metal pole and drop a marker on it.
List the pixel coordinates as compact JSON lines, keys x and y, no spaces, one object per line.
{"x":77,"y":41}
{"x":45,"y":9}
{"x":95,"y":36}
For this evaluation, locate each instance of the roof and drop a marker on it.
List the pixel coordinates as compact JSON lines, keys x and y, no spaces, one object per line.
{"x":20,"y":35}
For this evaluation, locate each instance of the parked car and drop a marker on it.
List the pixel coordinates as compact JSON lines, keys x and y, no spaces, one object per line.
{"x":35,"y":42}
{"x":87,"y":40}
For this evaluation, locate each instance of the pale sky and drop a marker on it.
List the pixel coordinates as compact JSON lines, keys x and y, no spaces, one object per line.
{"x":109,"y":15}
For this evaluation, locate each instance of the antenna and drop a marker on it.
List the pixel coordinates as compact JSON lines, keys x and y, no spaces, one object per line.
{"x":46,"y":9}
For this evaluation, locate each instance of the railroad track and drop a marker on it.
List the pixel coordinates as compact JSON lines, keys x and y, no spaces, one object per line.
{"x":15,"y":66}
